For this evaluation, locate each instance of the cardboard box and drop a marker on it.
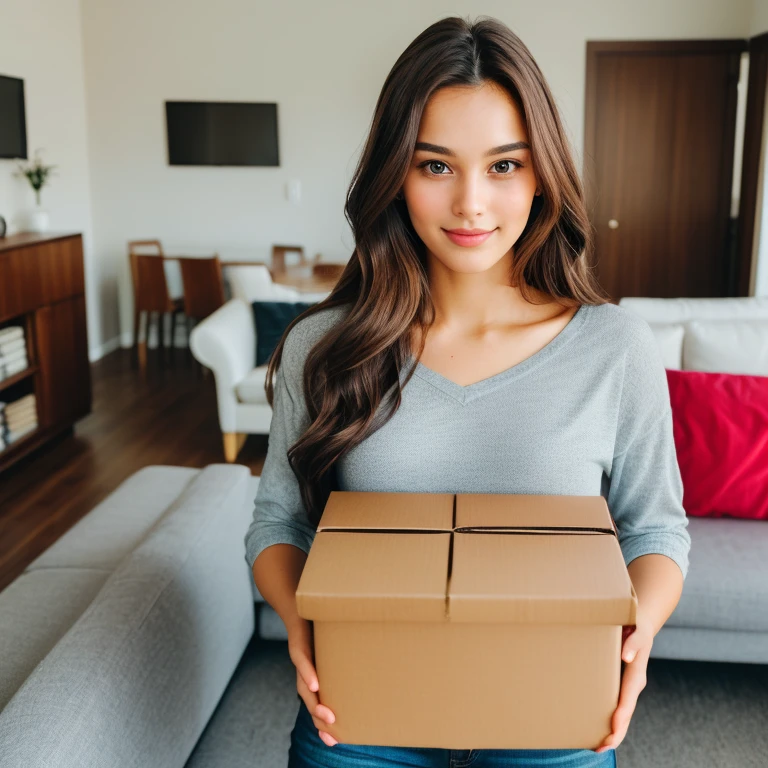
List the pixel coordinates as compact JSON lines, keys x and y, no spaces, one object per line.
{"x":467,"y":621}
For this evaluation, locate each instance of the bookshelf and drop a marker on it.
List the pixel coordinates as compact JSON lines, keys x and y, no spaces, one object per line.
{"x":42,"y":290}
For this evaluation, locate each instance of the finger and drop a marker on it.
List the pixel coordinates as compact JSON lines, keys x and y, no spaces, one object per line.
{"x":328,"y":739}
{"x":320,"y":721}
{"x":320,"y":724}
{"x":633,"y":648}
{"x":306,"y":670}
{"x":308,"y":697}
{"x":632,"y":683}
{"x":324,"y":713}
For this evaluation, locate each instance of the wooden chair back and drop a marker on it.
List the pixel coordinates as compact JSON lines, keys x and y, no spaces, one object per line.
{"x":278,"y":264}
{"x":327,"y":271}
{"x":203,"y":285}
{"x":150,"y":287}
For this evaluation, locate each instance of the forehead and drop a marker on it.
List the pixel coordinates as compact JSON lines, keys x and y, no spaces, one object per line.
{"x":466,"y":118}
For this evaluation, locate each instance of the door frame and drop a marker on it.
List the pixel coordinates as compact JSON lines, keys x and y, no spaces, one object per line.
{"x":596,"y":48}
{"x":750,"y":167}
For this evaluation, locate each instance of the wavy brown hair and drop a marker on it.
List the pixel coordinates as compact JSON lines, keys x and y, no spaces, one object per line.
{"x":350,"y":372}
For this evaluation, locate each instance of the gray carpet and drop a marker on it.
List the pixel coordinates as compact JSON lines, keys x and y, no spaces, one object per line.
{"x":690,"y":715}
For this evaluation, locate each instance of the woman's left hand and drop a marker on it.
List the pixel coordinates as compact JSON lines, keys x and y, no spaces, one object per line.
{"x":636,"y":650}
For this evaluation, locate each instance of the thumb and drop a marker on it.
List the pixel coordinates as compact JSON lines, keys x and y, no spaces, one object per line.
{"x":630,"y":649}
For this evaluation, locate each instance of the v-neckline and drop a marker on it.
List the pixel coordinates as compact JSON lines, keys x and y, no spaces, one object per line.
{"x":469,"y":392}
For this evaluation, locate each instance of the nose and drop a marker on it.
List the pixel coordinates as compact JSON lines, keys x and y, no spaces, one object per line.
{"x":469,"y":203}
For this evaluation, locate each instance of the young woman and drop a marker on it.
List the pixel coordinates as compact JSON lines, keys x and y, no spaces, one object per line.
{"x":467,"y":348}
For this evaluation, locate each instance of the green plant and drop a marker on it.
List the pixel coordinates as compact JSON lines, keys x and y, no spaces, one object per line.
{"x":36,"y":172}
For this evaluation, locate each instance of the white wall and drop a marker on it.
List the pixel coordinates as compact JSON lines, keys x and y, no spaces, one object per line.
{"x":41,"y":42}
{"x":759,"y":21}
{"x":323,"y":63}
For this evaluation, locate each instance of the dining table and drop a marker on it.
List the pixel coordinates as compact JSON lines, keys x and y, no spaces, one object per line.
{"x":298,"y":276}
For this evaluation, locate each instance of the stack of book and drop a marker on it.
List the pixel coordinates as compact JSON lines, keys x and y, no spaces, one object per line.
{"x":13,"y":351}
{"x":17,"y":419}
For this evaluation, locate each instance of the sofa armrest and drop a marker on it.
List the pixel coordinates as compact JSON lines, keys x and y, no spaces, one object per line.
{"x":138,"y":675}
{"x":225,"y":342}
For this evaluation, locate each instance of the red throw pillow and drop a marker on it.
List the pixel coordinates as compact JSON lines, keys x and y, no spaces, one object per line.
{"x":721,"y":436}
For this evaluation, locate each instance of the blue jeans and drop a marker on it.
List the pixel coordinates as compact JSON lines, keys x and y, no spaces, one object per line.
{"x":309,"y":751}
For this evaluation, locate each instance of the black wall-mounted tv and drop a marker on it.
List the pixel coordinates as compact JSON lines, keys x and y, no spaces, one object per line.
{"x":13,"y":121}
{"x":221,"y":133}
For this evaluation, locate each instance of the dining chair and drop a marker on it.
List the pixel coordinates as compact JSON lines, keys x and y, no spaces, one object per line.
{"x":328,"y":271}
{"x":203,"y":288}
{"x":280,"y":263}
{"x":150,"y":295}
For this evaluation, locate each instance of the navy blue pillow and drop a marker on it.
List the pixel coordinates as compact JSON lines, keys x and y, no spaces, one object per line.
{"x":272,"y":318}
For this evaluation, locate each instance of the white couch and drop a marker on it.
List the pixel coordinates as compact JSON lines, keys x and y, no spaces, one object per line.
{"x":225,"y":342}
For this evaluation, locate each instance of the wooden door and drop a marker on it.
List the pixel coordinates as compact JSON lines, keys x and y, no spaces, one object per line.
{"x":658,"y":165}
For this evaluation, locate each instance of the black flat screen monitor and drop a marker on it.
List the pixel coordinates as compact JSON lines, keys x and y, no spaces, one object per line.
{"x":13,"y":121}
{"x":221,"y":133}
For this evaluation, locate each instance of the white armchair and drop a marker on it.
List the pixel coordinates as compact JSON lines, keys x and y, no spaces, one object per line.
{"x":225,"y":342}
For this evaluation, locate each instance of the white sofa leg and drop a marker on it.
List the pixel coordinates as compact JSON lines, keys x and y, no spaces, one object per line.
{"x":233,"y":442}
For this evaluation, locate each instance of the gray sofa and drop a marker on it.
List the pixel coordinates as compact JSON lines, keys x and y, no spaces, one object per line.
{"x":117,"y":643}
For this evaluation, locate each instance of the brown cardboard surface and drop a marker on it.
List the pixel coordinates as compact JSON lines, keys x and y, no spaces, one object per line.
{"x":467,"y":621}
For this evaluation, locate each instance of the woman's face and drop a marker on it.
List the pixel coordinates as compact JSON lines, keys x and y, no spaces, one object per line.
{"x":462,"y":177}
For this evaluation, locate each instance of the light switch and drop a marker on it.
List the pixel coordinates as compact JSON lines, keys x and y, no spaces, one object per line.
{"x":294,"y":191}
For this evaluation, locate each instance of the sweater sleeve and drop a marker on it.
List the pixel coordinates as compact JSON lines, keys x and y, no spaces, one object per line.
{"x":279,"y":516}
{"x":645,"y":496}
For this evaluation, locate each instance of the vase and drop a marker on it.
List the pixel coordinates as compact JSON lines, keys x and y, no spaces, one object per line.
{"x":37,"y":220}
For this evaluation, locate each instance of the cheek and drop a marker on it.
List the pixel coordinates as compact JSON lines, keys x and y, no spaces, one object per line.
{"x":516,"y":201}
{"x":427,"y":201}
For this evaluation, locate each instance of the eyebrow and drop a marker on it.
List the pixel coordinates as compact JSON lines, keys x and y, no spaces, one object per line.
{"x":438,"y":150}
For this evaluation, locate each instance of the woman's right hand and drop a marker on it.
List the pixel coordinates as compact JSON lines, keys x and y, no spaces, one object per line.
{"x":301,"y":651}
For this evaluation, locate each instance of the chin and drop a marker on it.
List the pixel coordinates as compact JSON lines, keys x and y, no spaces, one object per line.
{"x":471,"y":261}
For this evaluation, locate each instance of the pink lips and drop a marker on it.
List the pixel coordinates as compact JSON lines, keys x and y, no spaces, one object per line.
{"x":468,"y":237}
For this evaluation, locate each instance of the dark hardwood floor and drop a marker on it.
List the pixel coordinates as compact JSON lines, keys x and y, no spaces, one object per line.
{"x":168,"y":416}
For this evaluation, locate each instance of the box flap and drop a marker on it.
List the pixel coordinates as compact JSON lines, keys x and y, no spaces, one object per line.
{"x":388,"y":511}
{"x":354,"y":576}
{"x":539,"y":578}
{"x":509,"y":511}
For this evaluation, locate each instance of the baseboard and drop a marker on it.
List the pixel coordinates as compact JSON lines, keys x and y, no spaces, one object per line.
{"x":125,"y":340}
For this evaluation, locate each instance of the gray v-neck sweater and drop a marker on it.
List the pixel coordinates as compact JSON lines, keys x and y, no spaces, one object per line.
{"x":589,"y":414}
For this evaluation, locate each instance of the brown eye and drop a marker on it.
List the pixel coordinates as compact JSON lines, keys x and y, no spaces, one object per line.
{"x":430,"y":165}
{"x":509,"y":167}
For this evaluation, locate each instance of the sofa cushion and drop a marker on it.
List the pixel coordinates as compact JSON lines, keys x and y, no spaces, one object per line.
{"x":251,"y":388}
{"x":669,"y":337}
{"x":684,"y":310}
{"x":720,"y":424}
{"x":40,"y":606}
{"x":727,"y":583}
{"x":37,"y":609}
{"x":115,"y":526}
{"x":271,"y":319}
{"x":727,"y":346}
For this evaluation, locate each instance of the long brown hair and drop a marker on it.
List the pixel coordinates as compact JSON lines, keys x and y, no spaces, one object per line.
{"x":355,"y":367}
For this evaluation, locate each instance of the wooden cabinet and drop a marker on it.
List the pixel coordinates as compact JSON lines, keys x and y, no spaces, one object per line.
{"x":42,"y":289}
